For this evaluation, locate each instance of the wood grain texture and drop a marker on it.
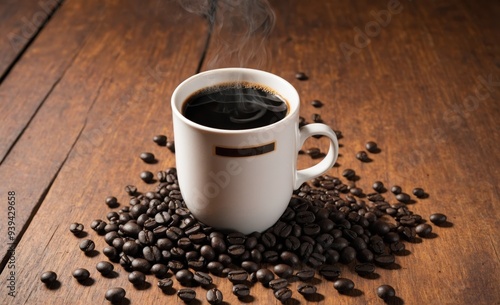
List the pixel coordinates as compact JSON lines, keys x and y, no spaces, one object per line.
{"x":425,"y":87}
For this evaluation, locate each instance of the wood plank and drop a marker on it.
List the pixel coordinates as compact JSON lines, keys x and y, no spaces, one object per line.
{"x":121,"y":75}
{"x":21,"y":21}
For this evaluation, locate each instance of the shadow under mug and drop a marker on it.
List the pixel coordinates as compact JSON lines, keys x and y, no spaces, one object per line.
{"x":242,"y":179}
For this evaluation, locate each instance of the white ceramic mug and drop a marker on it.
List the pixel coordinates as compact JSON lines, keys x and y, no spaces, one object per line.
{"x":242,"y":179}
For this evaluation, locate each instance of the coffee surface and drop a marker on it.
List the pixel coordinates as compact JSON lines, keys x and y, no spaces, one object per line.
{"x":235,"y":107}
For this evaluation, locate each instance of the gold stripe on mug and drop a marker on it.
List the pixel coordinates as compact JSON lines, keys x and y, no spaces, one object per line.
{"x":244,"y":151}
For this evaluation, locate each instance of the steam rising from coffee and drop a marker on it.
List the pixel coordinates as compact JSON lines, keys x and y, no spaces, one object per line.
{"x":239,"y":30}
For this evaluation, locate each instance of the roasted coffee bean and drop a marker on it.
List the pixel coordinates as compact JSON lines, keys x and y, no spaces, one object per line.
{"x":202,"y":278}
{"x":292,"y":243}
{"x":305,"y":274}
{"x":396,"y":189}
{"x":215,"y":267}
{"x":316,"y":259}
{"x":225,"y":259}
{"x":386,"y":292}
{"x":165,"y":284}
{"x":264,"y":276}
{"x":115,"y":295}
{"x":137,"y":278}
{"x":397,"y":247}
{"x":147,"y":176}
{"x":419,"y":192}
{"x":140,"y":264}
{"x":249,"y":266}
{"x":236,"y":250}
{"x":160,"y":140}
{"x":76,"y":228}
{"x":131,"y":229}
{"x":283,"y":270}
{"x":423,"y":230}
{"x":186,"y":294}
{"x":241,"y":290}
{"x":184,"y":276}
{"x":438,"y":219}
{"x":332,"y":256}
{"x":163,"y":217}
{"x":207,"y":252}
{"x":316,"y":103}
{"x":378,"y":186}
{"x":371,"y":147}
{"x":364,"y":269}
{"x":329,"y":272}
{"x":159,"y":270}
{"x":365,"y":255}
{"x":218,"y":244}
{"x":343,"y":285}
{"x":110,"y":252}
{"x":349,"y":174}
{"x":283,"y":294}
{"x":304,"y":217}
{"x":151,"y":254}
{"x":164,"y":244}
{"x":236,"y":238}
{"x":362,"y":156}
{"x":87,"y":246}
{"x":130,"y":247}
{"x":174,"y":233}
{"x":403,"y":197}
{"x":277,"y":284}
{"x":289,"y":258}
{"x":316,"y":117}
{"x":147,"y":157}
{"x":214,"y":296}
{"x":347,"y":255}
{"x":301,"y":76}
{"x":356,"y":191}
{"x":98,"y":226}
{"x":306,"y":289}
{"x":81,"y":274}
{"x":105,"y":268}
{"x":131,"y":190}
{"x":339,"y":244}
{"x":171,"y":146}
{"x":380,"y":227}
{"x":48,"y":277}
{"x":391,"y":237}
{"x":146,"y":237}
{"x":384,"y":260}
{"x":237,"y":276}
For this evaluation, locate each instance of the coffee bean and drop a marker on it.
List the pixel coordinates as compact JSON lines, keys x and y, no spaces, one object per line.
{"x":237,"y":276}
{"x":343,"y":285}
{"x":438,"y":219}
{"x":349,"y":174}
{"x":115,"y":295}
{"x":225,"y":259}
{"x":161,"y":140}
{"x":159,"y":270}
{"x":316,"y":117}
{"x":48,"y":277}
{"x":184,"y":276}
{"x":364,"y":269}
{"x":236,"y":250}
{"x":87,"y":246}
{"x":214,"y":296}
{"x":131,"y":190}
{"x":241,"y":290}
{"x":165,"y":284}
{"x":378,"y":186}
{"x":264,"y":276}
{"x":215,"y":267}
{"x":301,"y":76}
{"x":305,"y":274}
{"x":384,"y":260}
{"x":356,"y":191}
{"x":316,"y":103}
{"x":403,"y":197}
{"x":171,"y":146}
{"x":396,"y":189}
{"x":423,"y":230}
{"x":283,"y":270}
{"x":98,"y":226}
{"x":186,"y":294}
{"x":105,"y":268}
{"x":386,"y":292}
{"x":151,"y":254}
{"x":329,"y":272}
{"x":283,"y":294}
{"x":202,"y":278}
{"x":249,"y":266}
{"x":419,"y":192}
{"x":137,"y":278}
{"x":76,"y":228}
{"x":362,"y":156}
{"x":347,"y":255}
{"x":140,"y":264}
{"x":372,"y":147}
{"x":148,"y":157}
{"x":306,"y":289}
{"x":147,"y":176}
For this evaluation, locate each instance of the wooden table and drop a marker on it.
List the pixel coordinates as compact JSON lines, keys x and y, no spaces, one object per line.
{"x":85,"y":85}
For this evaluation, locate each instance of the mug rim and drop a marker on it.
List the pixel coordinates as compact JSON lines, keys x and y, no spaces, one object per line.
{"x":292,"y":94}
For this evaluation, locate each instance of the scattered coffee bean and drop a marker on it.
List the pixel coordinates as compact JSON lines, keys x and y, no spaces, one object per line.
{"x":329,"y":272}
{"x":115,"y":295}
{"x":147,"y":176}
{"x":317,"y":104}
{"x":362,"y":156}
{"x":283,"y":294}
{"x":264,"y":276}
{"x":378,"y":186}
{"x":237,"y":276}
{"x":283,"y":270}
{"x":81,"y":274}
{"x":349,"y":174}
{"x":202,"y":278}
{"x":87,"y":246}
{"x":137,"y":278}
{"x":316,"y":117}
{"x":131,"y":190}
{"x":396,"y":189}
{"x":364,"y":269}
{"x":76,"y":228}
{"x":386,"y":292}
{"x":423,"y":230}
{"x":48,"y":277}
{"x":384,"y":260}
{"x":186,"y":294}
{"x":305,"y":274}
{"x":160,"y":140}
{"x":171,"y":146}
{"x":372,"y":147}
{"x":438,"y":219}
{"x":159,"y":270}
{"x":214,"y":296}
{"x":111,"y":201}
{"x":403,"y":197}
{"x":147,"y":157}
{"x":241,"y":290}
{"x":165,"y":284}
{"x":301,"y":76}
{"x":184,"y":276}
{"x":105,"y":268}
{"x":306,"y":289}
{"x":278,"y":283}
{"x":419,"y":192}
{"x":343,"y":285}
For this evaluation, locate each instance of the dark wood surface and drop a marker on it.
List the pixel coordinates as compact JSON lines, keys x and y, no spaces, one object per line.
{"x":82,"y":98}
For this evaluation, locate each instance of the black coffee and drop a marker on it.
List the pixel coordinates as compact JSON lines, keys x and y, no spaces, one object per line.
{"x":235,"y":106}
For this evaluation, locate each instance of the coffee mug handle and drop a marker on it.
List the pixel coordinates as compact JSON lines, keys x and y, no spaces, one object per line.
{"x":317,"y":170}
